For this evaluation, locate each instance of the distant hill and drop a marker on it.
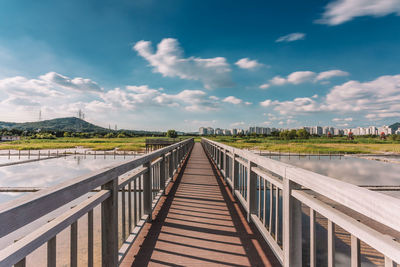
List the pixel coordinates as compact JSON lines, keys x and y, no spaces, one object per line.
{"x":395,"y":126}
{"x":70,"y":124}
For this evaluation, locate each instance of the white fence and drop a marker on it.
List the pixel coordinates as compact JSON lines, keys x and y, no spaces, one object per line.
{"x":273,"y":193}
{"x":144,"y":181}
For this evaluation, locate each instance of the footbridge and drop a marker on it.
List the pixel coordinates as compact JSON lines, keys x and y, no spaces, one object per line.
{"x":201,"y":204}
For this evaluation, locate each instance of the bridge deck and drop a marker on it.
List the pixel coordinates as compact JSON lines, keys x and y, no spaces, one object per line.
{"x":199,"y":223}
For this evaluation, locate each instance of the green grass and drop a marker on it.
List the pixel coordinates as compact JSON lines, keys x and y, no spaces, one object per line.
{"x":127,"y":144}
{"x":313,"y":145}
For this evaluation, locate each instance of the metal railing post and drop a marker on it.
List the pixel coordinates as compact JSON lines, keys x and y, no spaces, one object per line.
{"x":147,"y":190}
{"x":162,"y":173}
{"x":235,"y":173}
{"x":292,"y":226}
{"x":109,"y":225}
{"x":251,"y":190}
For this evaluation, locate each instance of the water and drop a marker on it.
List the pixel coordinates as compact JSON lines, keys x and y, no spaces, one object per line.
{"x":353,"y":170}
{"x":49,"y":172}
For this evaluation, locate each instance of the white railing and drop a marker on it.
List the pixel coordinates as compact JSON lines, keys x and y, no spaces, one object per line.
{"x":273,"y":193}
{"x":142,"y":179}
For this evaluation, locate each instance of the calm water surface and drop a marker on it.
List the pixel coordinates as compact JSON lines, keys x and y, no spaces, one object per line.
{"x":349,"y":169}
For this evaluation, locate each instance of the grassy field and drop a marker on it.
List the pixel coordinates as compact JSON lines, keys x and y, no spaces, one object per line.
{"x":127,"y":144}
{"x":313,"y":145}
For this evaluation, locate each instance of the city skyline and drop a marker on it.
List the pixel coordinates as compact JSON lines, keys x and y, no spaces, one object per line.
{"x":159,"y":65}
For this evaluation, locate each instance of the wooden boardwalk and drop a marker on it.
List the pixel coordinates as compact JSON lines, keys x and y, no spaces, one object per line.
{"x":199,"y":223}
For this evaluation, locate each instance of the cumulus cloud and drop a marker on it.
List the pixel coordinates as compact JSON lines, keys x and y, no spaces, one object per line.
{"x":377,"y":99}
{"x":264,"y":86}
{"x":80,"y":84}
{"x":299,"y":77}
{"x":341,"y":11}
{"x":234,"y":100}
{"x":246,"y":63}
{"x":380,"y":96}
{"x":291,"y":37}
{"x":170,"y":62}
{"x":325,"y":75}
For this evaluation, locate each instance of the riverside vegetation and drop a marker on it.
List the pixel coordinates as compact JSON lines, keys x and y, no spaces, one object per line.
{"x":314,"y":144}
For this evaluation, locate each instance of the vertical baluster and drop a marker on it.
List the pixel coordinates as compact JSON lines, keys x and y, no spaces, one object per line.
{"x":52,"y":252}
{"x":90,"y":238}
{"x":123,"y":217}
{"x":292,"y":225}
{"x":276,"y":213}
{"x":163,"y":166}
{"x":135,"y":204}
{"x":271,"y":202}
{"x":109,"y":225}
{"x":313,"y":240}
{"x":389,"y":262}
{"x":265,"y":203}
{"x":74,"y":245}
{"x":21,"y":263}
{"x":129,"y":208}
{"x":147,"y":190}
{"x":259,"y":196}
{"x":355,"y":252}
{"x":140,"y":197}
{"x":331,"y":244}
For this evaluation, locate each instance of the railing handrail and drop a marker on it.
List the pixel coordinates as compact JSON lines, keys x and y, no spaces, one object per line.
{"x":24,"y":210}
{"x":380,"y":207}
{"x":253,"y":177}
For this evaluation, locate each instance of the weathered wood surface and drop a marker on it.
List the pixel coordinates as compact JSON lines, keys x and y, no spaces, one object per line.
{"x":200,"y":224}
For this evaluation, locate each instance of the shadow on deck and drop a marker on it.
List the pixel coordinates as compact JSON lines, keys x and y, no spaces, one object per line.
{"x":199,"y":223}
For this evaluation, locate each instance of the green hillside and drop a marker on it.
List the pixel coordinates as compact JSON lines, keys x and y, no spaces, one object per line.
{"x":70,"y":124}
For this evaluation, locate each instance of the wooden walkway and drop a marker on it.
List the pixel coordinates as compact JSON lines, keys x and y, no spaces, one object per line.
{"x":199,"y":223}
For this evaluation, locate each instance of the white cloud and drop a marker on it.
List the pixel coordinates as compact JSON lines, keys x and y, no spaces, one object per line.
{"x":264,"y":86}
{"x":299,"y":77}
{"x":234,"y":100}
{"x":340,"y":119}
{"x":266,"y":103}
{"x":246,"y":63}
{"x":377,"y":99}
{"x":341,"y":11}
{"x":169,"y":61}
{"x":79,"y":84}
{"x":381,"y":95}
{"x":291,"y":37}
{"x":330,"y":74}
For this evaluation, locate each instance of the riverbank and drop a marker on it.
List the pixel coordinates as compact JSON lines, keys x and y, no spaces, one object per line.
{"x":313,"y":145}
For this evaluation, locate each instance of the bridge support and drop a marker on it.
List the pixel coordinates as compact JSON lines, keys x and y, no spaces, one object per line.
{"x":292,"y":237}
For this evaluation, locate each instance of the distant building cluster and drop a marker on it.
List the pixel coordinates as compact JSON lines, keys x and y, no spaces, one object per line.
{"x":314,"y":130}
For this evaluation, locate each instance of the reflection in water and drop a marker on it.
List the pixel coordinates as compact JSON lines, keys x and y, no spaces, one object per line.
{"x":47,"y":173}
{"x":349,"y":169}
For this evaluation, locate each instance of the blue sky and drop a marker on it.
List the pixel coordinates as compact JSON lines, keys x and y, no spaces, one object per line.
{"x":156,"y":65}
